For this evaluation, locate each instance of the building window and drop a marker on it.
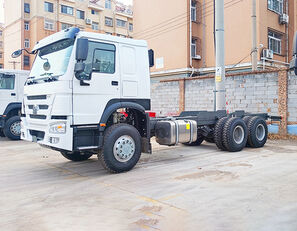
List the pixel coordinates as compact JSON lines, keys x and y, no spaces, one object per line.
{"x":1,"y":32}
{"x":65,"y":26}
{"x":26,"y":60}
{"x":108,"y":4}
{"x":121,"y":23}
{"x":1,"y":44}
{"x":27,"y":8}
{"x":1,"y":56}
{"x":130,"y":26}
{"x":66,"y":10}
{"x":95,"y":26}
{"x":95,"y":12}
{"x":1,"y":66}
{"x":26,"y":25}
{"x":193,"y":11}
{"x":276,"y":5}
{"x":275,"y":42}
{"x":48,"y":24}
{"x":80,"y":14}
{"x":193,"y":47}
{"x":48,"y":7}
{"x":27,"y":43}
{"x":108,"y":21}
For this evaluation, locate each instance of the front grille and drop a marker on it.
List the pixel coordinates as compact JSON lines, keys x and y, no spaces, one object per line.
{"x":41,"y":107}
{"x":38,"y":134}
{"x":36,"y":97}
{"x":41,"y":117}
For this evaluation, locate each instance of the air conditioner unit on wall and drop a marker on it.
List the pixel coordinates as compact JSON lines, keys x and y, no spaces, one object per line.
{"x":284,"y":19}
{"x":88,"y":21}
{"x":268,"y":54}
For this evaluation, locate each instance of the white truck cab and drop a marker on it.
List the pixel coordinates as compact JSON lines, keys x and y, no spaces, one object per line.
{"x":88,"y":94}
{"x":81,"y":84}
{"x":11,"y":96}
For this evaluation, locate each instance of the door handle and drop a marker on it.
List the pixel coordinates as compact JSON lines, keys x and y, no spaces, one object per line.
{"x":12,"y":94}
{"x":114,"y":83}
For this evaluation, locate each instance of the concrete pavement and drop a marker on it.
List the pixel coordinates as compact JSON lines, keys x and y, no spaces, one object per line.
{"x":176,"y":188}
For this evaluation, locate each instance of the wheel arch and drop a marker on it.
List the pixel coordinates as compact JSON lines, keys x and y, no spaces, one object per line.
{"x":12,"y":109}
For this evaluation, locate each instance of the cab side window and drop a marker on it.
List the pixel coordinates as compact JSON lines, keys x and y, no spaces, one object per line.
{"x":7,"y":81}
{"x":101,"y":58}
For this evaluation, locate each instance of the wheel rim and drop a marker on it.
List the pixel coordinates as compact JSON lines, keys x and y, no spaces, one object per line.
{"x":124,"y":148}
{"x":15,"y":128}
{"x":260,"y":132}
{"x":238,"y":134}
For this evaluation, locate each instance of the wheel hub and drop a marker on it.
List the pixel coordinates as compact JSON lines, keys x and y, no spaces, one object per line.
{"x":15,"y":128}
{"x":260,"y":132}
{"x":238,"y":134}
{"x":124,"y":148}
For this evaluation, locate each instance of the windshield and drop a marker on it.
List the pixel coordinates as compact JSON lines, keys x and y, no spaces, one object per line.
{"x":52,"y":60}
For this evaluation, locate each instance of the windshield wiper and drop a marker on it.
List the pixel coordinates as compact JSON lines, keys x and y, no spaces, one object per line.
{"x":50,"y":74}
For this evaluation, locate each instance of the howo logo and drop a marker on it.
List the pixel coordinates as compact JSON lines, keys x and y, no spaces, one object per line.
{"x":35,"y":109}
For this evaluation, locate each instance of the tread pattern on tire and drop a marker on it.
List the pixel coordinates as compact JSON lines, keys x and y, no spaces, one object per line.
{"x":218,"y":132}
{"x":101,"y":157}
{"x":247,"y":119}
{"x":252,"y":140}
{"x":228,"y":135}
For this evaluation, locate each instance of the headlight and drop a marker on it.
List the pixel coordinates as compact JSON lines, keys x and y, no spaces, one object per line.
{"x":58,"y":128}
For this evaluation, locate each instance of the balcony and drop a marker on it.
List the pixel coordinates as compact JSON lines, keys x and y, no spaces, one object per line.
{"x":124,"y":11}
{"x":96,"y":4}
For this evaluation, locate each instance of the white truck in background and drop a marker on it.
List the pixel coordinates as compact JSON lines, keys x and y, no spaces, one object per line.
{"x":88,"y":94}
{"x":11,"y":96}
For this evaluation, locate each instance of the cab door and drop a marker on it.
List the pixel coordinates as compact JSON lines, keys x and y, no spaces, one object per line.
{"x":7,"y":91}
{"x":91,"y":96}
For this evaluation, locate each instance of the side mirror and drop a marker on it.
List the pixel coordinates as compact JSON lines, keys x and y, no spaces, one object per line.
{"x":151,"y":58}
{"x":17,"y":53}
{"x":78,"y":69}
{"x":82,"y":46}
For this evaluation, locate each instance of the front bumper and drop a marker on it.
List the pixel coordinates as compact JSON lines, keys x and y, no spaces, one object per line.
{"x":39,"y":133}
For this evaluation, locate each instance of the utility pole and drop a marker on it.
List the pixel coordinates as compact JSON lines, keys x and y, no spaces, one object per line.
{"x":254,"y":37}
{"x":220,"y":92}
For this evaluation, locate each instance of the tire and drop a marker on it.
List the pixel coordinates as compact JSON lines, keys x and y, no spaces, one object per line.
{"x":76,"y":156}
{"x":2,"y":133}
{"x":196,"y":143}
{"x":247,"y":119}
{"x":218,"y":132}
{"x":209,"y":140}
{"x":235,"y":134}
{"x":121,"y":148}
{"x":12,"y":128}
{"x":257,"y":132}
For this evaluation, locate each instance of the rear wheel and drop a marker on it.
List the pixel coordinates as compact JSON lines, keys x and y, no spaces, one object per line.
{"x":218,"y":133}
{"x":235,"y":134}
{"x":76,"y":156}
{"x":257,"y":132}
{"x":12,"y":128}
{"x":247,"y":119}
{"x":121,"y":148}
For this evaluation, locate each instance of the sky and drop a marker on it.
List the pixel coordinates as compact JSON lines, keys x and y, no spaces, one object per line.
{"x":127,"y":2}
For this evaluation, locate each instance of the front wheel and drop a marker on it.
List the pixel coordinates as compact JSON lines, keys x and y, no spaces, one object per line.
{"x":12,"y":128}
{"x":76,"y":156}
{"x":121,"y":148}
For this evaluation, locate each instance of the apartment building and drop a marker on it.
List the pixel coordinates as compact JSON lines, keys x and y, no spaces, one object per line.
{"x":1,"y":46}
{"x":182,"y":34}
{"x":28,"y":21}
